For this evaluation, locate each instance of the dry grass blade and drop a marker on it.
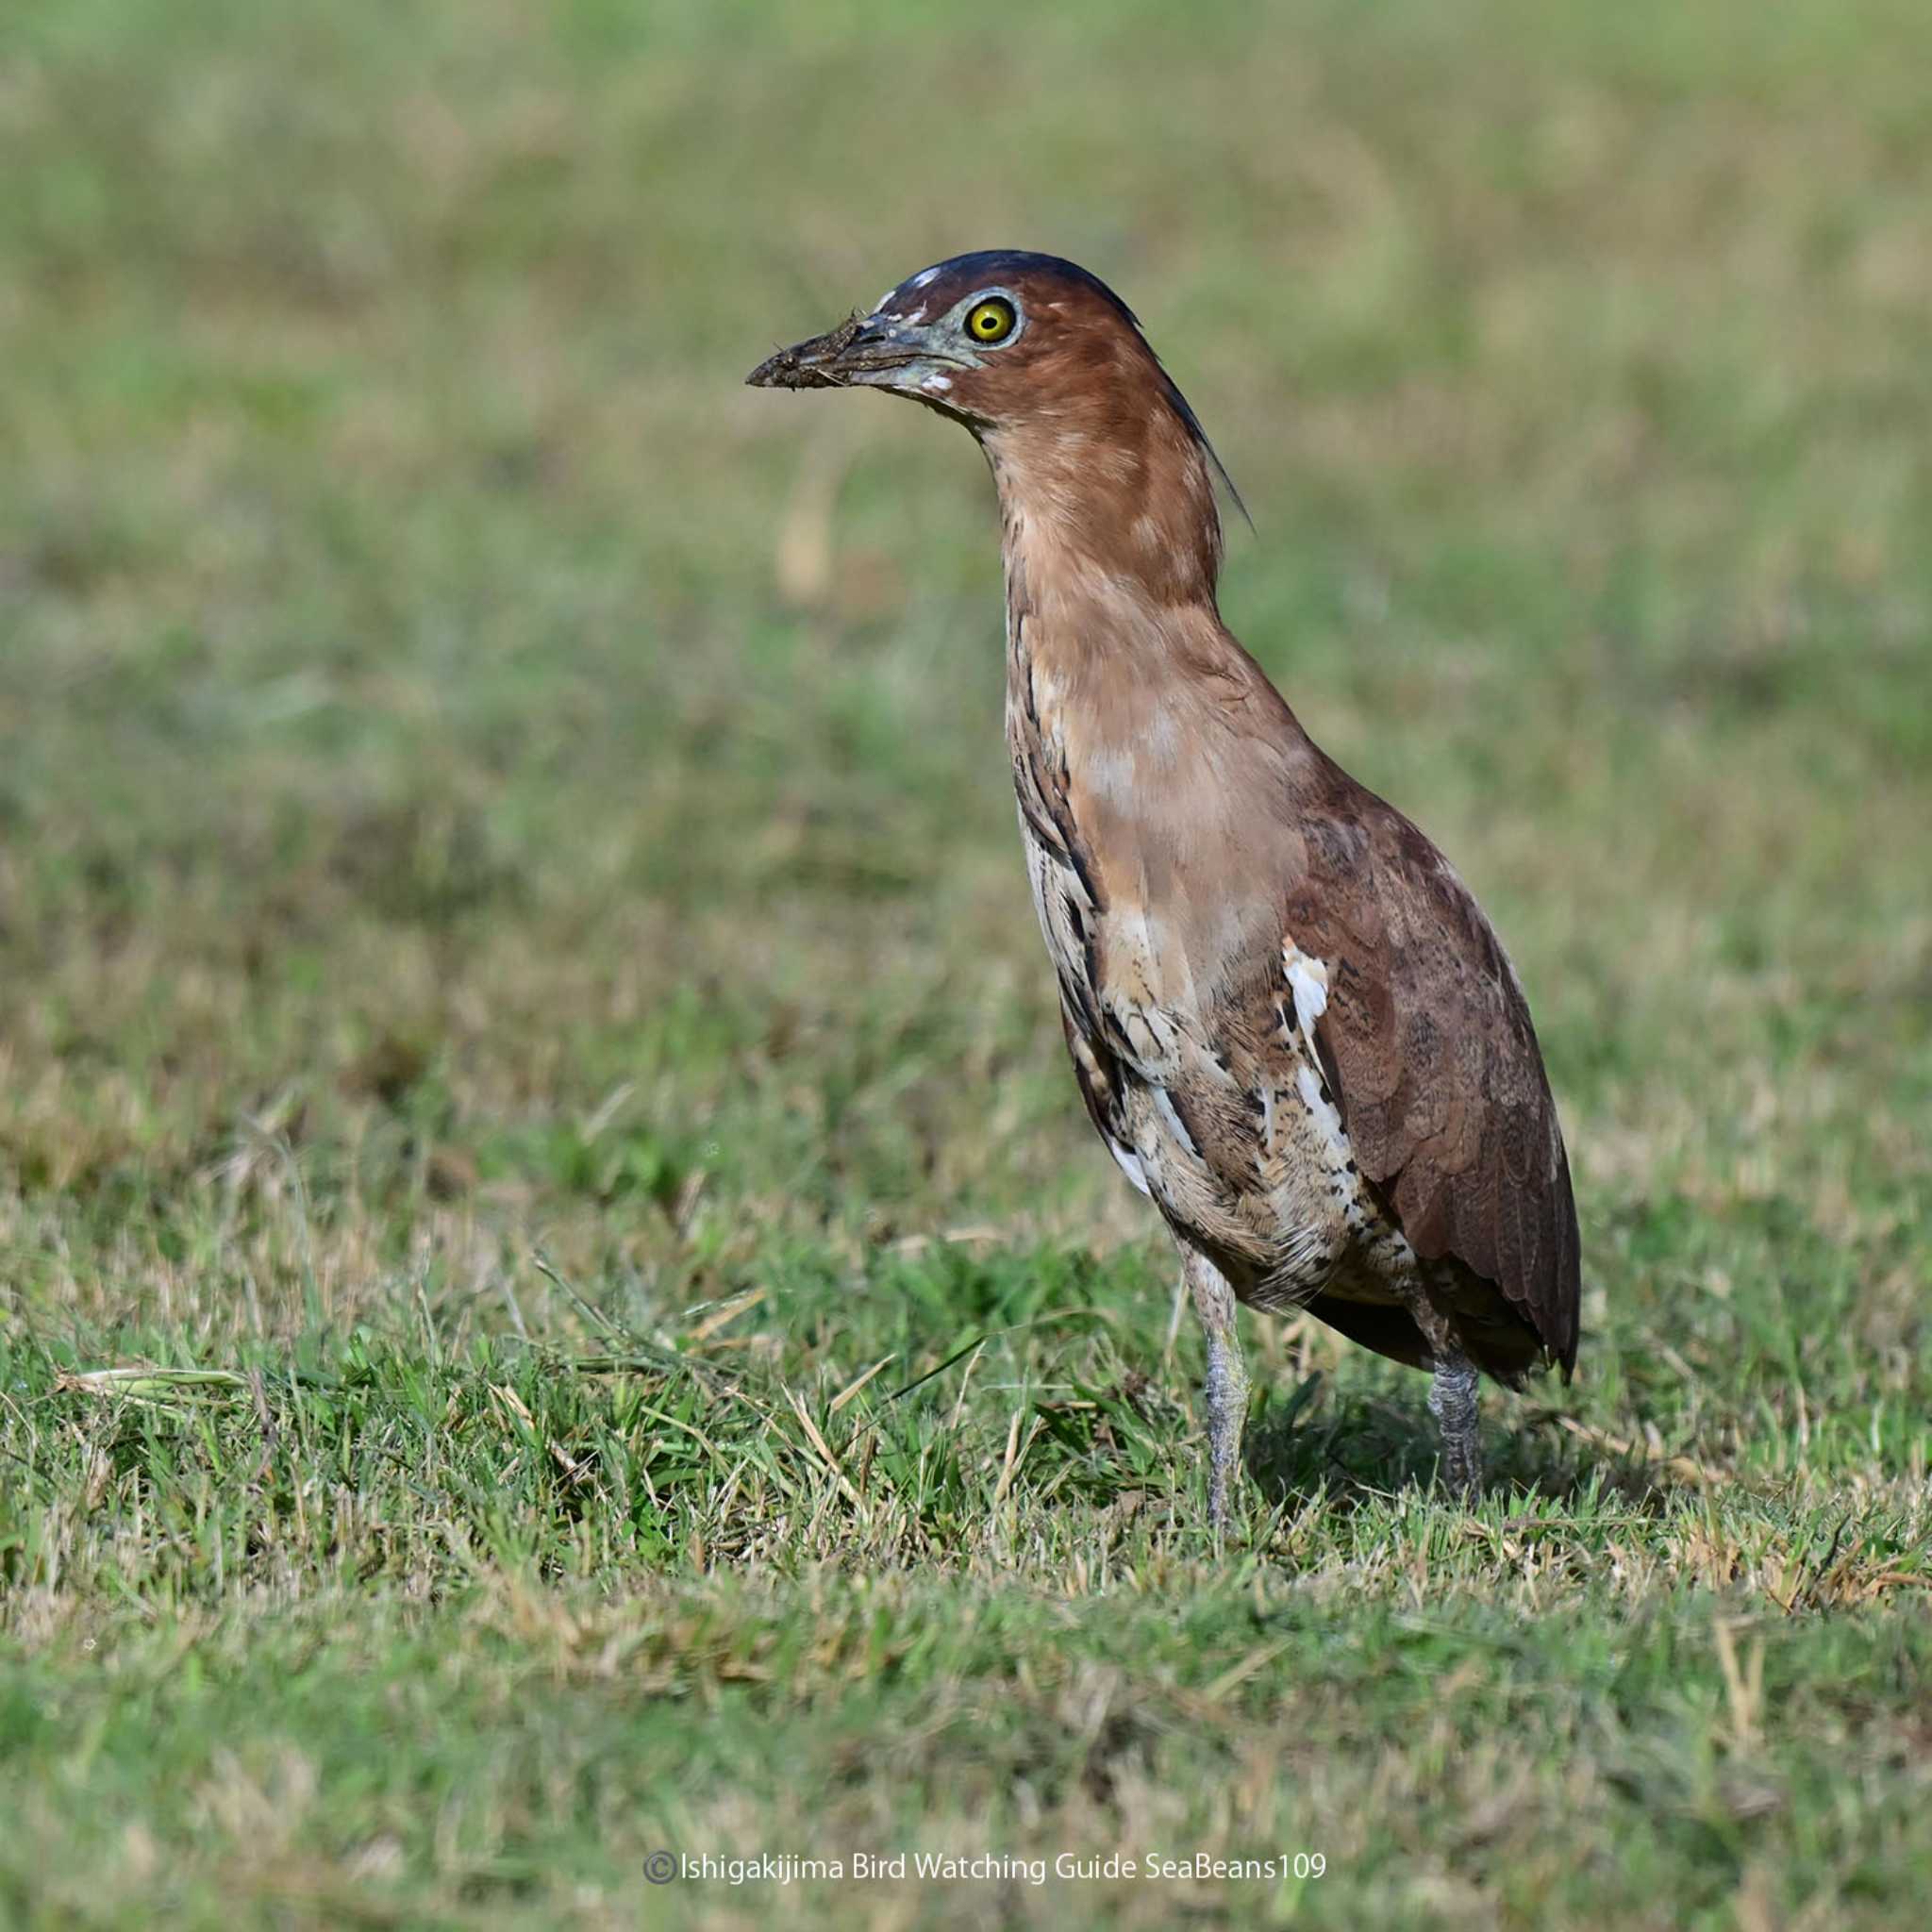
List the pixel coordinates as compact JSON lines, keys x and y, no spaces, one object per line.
{"x":823,"y":1449}
{"x":727,"y":1313}
{"x":858,"y":1382}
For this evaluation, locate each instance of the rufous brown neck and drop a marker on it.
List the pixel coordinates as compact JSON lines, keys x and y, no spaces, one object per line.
{"x":1123,"y":504}
{"x":1115,"y":646}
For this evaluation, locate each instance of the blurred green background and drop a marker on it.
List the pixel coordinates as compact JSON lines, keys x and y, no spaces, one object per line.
{"x":478,"y":787}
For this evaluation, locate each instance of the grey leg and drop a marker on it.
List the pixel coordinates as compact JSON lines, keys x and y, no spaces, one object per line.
{"x":1227,"y":1379}
{"x":1452,"y":1402}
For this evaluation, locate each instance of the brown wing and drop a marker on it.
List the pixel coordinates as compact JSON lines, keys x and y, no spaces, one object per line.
{"x":1429,"y":1047}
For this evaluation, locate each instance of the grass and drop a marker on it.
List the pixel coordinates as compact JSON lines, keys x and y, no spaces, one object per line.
{"x":558,"y":1301}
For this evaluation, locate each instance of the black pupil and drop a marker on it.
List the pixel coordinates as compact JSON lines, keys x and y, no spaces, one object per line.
{"x":989,"y":321}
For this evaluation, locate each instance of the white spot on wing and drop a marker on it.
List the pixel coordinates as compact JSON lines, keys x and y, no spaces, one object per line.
{"x":1130,"y":1165}
{"x":1307,"y":979}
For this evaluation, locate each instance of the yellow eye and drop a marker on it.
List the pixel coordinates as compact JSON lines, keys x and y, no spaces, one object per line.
{"x":990,"y":321}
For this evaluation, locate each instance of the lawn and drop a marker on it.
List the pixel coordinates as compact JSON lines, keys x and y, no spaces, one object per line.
{"x":557,"y":1299}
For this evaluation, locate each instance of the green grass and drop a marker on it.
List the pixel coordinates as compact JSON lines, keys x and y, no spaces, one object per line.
{"x":515,"y":966}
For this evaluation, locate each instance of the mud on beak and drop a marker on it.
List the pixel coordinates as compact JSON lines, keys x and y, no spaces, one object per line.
{"x":864,"y":350}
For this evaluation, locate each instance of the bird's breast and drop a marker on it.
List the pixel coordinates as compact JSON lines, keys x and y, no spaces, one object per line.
{"x":1200,"y":1073}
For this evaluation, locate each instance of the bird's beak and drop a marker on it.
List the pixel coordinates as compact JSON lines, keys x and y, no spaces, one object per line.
{"x":867,"y":350}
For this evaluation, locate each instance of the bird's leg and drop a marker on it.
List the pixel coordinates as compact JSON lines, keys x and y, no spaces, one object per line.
{"x":1452,"y":1396}
{"x":1453,"y":1403}
{"x":1228,"y":1378}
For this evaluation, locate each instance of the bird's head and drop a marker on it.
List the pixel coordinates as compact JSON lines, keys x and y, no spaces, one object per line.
{"x":1048,"y":368}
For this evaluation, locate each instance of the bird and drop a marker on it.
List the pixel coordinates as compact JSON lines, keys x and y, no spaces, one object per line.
{"x":1288,"y":1017}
